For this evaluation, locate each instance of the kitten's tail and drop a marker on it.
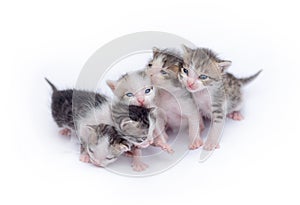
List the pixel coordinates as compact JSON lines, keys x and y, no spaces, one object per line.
{"x":247,"y":80}
{"x":51,"y":84}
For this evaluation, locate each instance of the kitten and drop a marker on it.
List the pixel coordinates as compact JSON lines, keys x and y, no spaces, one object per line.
{"x":62,"y":106}
{"x":135,"y":88}
{"x":73,"y":107}
{"x":215,"y":91}
{"x":163,"y":69}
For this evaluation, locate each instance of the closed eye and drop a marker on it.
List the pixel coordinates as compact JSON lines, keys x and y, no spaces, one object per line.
{"x":91,"y":151}
{"x":163,"y":72}
{"x":110,"y":158}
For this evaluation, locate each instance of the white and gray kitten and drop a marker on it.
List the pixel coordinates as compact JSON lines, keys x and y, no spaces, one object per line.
{"x":134,"y":128}
{"x":215,"y":91}
{"x":135,"y":88}
{"x":176,"y":101}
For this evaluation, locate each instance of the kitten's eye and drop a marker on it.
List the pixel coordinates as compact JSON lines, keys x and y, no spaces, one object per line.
{"x":148,"y":90}
{"x":110,"y":158}
{"x":129,"y":94}
{"x":150,"y":64}
{"x":185,"y":71}
{"x":203,"y":77}
{"x":163,"y":72}
{"x":91,"y":151}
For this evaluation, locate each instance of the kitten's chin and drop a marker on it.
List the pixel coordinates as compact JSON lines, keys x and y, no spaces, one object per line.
{"x":193,"y":90}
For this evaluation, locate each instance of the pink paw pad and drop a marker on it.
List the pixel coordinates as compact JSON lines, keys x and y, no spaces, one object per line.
{"x":65,"y":132}
{"x":139,"y":166}
{"x":236,"y":115}
{"x":196,"y":144}
{"x":211,"y":146}
{"x":84,"y":158}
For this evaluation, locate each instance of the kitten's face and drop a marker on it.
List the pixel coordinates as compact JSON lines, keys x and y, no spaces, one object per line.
{"x":104,"y":147}
{"x":199,"y":71}
{"x":161,"y":60}
{"x":165,"y":77}
{"x":134,"y":88}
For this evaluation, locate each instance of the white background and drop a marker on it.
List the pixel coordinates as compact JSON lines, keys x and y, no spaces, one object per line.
{"x":258,"y":162}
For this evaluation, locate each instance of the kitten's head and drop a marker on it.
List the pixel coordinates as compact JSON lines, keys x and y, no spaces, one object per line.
{"x":164,"y":67}
{"x":201,"y":68}
{"x":105,"y":144}
{"x":134,"y":88}
{"x":163,"y":59}
{"x":135,"y":122}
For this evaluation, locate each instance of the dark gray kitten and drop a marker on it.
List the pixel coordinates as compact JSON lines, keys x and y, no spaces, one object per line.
{"x":63,"y":107}
{"x":102,"y":138}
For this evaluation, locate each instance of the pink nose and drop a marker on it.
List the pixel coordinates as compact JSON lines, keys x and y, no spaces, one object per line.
{"x":141,"y":100}
{"x":190,"y":83}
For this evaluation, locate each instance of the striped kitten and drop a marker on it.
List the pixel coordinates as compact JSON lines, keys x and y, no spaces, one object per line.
{"x":135,"y":88}
{"x":215,"y":91}
{"x":101,"y":143}
{"x":135,"y":129}
{"x":176,"y":101}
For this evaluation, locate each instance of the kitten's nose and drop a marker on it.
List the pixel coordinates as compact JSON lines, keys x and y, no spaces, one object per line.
{"x":141,"y":100}
{"x":190,"y":82}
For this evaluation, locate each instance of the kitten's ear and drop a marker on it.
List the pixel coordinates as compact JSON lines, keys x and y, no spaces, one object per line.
{"x":155,"y":50}
{"x":111,"y":84}
{"x":186,"y":49}
{"x":92,"y":128}
{"x":223,"y":65}
{"x":123,"y":147}
{"x":174,"y":68}
{"x":128,"y":124}
{"x":152,"y":109}
{"x":92,"y":138}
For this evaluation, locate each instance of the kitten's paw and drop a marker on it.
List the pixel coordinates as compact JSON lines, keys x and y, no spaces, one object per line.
{"x":211,"y":146}
{"x":196,"y":144}
{"x":164,"y":146}
{"x":167,"y":148}
{"x":84,"y":158}
{"x":128,"y":154}
{"x":65,"y":132}
{"x":139,"y":166}
{"x":235,"y":115}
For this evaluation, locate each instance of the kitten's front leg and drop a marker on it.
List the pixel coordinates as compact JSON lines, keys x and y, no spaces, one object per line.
{"x":194,"y":132}
{"x":218,"y":120}
{"x":159,"y":133}
{"x":201,"y":123}
{"x":84,"y":157}
{"x":159,"y":140}
{"x":137,"y":164}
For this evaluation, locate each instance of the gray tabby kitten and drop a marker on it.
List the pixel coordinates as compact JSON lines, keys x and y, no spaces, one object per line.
{"x":101,"y":144}
{"x":135,"y":88}
{"x":176,"y":101}
{"x":215,"y":91}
